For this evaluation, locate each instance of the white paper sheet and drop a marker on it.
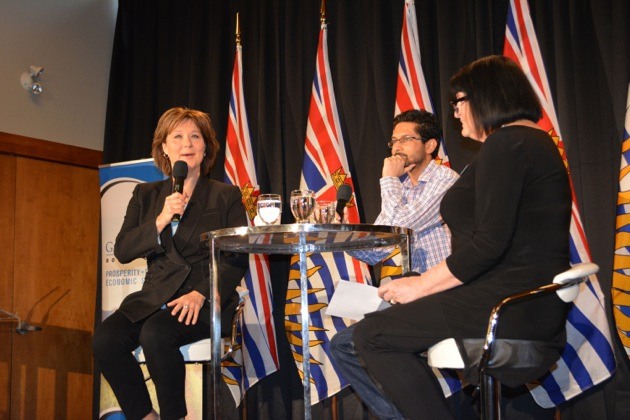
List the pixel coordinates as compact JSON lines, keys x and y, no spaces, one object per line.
{"x":353,"y":300}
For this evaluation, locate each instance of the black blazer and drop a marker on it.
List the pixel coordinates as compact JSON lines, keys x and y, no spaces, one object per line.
{"x":178,"y":264}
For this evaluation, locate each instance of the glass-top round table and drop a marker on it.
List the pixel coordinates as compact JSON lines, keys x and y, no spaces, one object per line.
{"x":297,"y":238}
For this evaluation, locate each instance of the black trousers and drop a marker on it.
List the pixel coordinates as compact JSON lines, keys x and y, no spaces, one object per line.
{"x":389,"y":342}
{"x":160,"y":336}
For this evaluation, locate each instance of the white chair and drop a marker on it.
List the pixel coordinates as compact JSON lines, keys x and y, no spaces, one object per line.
{"x":200,"y":351}
{"x":509,"y":361}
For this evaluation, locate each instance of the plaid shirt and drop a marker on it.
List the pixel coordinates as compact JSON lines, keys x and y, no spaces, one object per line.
{"x":418,"y":208}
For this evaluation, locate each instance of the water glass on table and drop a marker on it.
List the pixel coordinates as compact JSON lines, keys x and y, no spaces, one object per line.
{"x":269,"y":208}
{"x":302,"y":204}
{"x":324,"y":212}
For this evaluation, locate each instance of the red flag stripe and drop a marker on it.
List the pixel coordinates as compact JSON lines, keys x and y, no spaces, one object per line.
{"x":588,"y":359}
{"x":240,"y":171}
{"x":411,"y":87}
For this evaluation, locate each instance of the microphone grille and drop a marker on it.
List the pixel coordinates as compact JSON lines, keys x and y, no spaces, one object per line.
{"x":344,"y":192}
{"x":180,"y":169}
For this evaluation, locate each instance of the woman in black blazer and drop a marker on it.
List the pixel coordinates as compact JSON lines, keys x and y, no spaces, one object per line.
{"x":171,"y":309}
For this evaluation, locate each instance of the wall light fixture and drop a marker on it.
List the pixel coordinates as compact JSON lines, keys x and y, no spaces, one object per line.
{"x":30,"y":80}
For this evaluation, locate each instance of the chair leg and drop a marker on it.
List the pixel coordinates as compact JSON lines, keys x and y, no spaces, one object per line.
{"x":244,"y":408}
{"x":490,"y":390}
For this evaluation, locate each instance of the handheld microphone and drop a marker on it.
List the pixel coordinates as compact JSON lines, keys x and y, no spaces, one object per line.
{"x":344,"y":194}
{"x":180,"y":172}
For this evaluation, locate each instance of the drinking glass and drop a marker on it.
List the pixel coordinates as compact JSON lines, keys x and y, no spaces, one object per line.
{"x":324,"y":212}
{"x":269,"y":208}
{"x":302,"y":204}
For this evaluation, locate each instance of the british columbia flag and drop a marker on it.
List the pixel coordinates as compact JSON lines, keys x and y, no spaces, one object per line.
{"x":412,"y":93}
{"x":411,"y":87}
{"x":324,"y":170}
{"x":258,"y":357}
{"x":588,"y":358}
{"x":621,"y":264}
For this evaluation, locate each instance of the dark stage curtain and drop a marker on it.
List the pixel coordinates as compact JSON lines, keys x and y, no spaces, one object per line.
{"x":180,"y":53}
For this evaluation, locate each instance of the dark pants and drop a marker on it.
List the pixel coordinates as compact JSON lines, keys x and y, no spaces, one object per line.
{"x":160,"y":336}
{"x":389,"y":343}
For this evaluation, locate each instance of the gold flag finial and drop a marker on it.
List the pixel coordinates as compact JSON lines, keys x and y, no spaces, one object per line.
{"x":238,"y":30}
{"x":322,"y":12}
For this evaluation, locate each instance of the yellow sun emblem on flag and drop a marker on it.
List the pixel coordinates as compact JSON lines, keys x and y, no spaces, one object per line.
{"x":229,"y":362}
{"x":392,"y":265}
{"x":293,"y":309}
{"x":620,"y":290}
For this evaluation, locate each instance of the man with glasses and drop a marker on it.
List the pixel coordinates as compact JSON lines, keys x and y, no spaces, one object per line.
{"x":412,"y":187}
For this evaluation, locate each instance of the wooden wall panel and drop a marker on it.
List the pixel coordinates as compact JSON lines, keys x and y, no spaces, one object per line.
{"x":56,"y":250}
{"x":13,"y":144}
{"x":7,"y":209}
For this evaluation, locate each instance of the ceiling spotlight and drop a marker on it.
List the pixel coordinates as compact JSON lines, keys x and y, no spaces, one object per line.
{"x":30,"y":80}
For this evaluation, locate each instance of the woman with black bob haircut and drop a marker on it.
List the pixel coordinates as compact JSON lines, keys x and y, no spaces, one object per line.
{"x":502,"y":94}
{"x":509,"y":215}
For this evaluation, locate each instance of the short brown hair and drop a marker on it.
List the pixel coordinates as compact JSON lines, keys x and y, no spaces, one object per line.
{"x":167,"y":123}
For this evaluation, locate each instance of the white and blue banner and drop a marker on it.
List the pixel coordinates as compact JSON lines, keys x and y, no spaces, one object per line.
{"x":118,"y":280}
{"x":117,"y":183}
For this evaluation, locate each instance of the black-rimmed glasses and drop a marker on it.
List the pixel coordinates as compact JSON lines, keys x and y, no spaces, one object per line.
{"x":402,"y":140}
{"x":455,"y":103}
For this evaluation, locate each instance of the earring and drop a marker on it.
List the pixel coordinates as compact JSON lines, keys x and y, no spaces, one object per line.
{"x":165,"y":155}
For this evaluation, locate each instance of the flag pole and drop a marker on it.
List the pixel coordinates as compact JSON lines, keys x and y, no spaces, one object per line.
{"x":238,"y":44}
{"x":322,"y":12}
{"x":334,"y":409}
{"x":238,"y":30}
